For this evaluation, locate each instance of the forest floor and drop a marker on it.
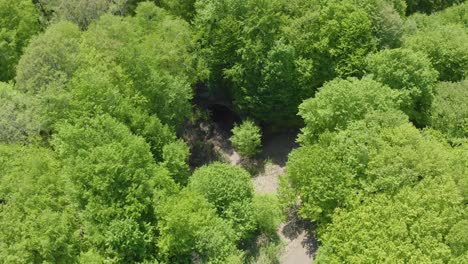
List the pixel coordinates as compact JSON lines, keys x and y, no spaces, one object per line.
{"x":300,"y":245}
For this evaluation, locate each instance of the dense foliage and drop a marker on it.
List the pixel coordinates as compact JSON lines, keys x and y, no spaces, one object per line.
{"x":104,"y":108}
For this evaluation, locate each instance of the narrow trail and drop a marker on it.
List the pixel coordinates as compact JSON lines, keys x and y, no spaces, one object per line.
{"x":299,"y":245}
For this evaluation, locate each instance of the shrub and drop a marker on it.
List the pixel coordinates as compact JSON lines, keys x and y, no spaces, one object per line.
{"x":246,"y":138}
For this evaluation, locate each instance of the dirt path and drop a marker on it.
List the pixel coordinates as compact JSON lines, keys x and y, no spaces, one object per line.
{"x":299,"y":245}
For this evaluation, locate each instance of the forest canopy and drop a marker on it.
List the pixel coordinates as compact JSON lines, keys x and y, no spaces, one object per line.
{"x":110,"y":111}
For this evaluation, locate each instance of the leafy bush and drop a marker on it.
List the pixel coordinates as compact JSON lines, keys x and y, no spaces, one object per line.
{"x":268,"y":214}
{"x":246,"y":138}
{"x":230,"y":190}
{"x":188,"y":224}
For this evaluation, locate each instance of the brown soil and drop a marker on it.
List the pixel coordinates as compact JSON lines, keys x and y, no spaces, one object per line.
{"x":266,"y":168}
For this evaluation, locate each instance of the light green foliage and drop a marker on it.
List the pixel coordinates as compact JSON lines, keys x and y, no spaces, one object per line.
{"x":188,"y":224}
{"x":449,"y":112}
{"x":164,"y":72}
{"x":382,"y":189}
{"x":447,"y":48}
{"x":20,"y":118}
{"x":322,"y":182}
{"x":457,"y":238}
{"x":230,"y":190}
{"x":222,"y":184}
{"x":344,"y":38}
{"x":459,"y":166}
{"x":412,"y":73}
{"x":409,"y":227}
{"x":175,"y":159}
{"x":106,"y":88}
{"x":38,"y":218}
{"x":429,"y":6}
{"x":18,"y":23}
{"x":46,"y":68}
{"x":340,"y":101}
{"x":268,"y":214}
{"x":246,"y":138}
{"x":115,"y":180}
{"x":50,"y":60}
{"x":381,"y":153}
{"x":152,"y":48}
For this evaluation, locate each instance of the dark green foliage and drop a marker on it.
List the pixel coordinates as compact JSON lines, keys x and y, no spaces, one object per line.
{"x":18,"y":23}
{"x":412,"y":73}
{"x":246,"y":138}
{"x":449,"y":112}
{"x":182,"y":8}
{"x":340,"y":102}
{"x":429,"y":6}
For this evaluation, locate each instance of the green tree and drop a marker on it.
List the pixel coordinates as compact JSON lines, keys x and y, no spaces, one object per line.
{"x":381,"y":153}
{"x":447,"y":48}
{"x":103,"y":87}
{"x":175,"y":159}
{"x":81,"y":12}
{"x":116,"y":184}
{"x":38,"y":218}
{"x":449,"y":112}
{"x":412,"y":73}
{"x":46,"y":68}
{"x":340,"y":102}
{"x":344,"y":38}
{"x":152,"y":48}
{"x":18,"y":23}
{"x":230,"y":190}
{"x":188,"y":224}
{"x":246,"y":138}
{"x":408,"y":227}
{"x":50,"y":59}
{"x":20,"y":115}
